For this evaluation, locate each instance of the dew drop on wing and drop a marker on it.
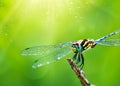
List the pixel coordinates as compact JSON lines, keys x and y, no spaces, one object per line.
{"x":39,"y":65}
{"x":48,"y":62}
{"x":58,"y":58}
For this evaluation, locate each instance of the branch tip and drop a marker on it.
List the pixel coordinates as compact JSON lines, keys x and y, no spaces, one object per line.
{"x":80,"y":73}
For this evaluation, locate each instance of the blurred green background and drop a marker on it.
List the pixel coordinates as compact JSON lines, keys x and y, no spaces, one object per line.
{"x":26,"y":23}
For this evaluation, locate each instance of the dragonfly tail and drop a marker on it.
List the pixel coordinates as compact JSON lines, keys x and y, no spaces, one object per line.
{"x":109,"y":35}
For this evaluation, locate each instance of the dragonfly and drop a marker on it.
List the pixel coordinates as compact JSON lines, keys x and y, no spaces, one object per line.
{"x":51,"y":53}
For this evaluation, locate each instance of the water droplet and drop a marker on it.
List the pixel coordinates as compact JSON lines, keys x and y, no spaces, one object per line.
{"x":33,"y":67}
{"x":58,"y":58}
{"x":48,"y":62}
{"x":39,"y":65}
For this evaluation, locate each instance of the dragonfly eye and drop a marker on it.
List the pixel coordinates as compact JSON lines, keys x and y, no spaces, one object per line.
{"x":74,"y":49}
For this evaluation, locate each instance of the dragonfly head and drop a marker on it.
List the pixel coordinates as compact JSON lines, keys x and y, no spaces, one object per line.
{"x":76,"y":47}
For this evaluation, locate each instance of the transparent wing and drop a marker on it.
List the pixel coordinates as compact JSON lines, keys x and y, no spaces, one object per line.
{"x":110,"y":42}
{"x":48,"y":54}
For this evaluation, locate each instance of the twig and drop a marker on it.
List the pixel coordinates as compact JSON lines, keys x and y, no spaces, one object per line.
{"x":79,"y":73}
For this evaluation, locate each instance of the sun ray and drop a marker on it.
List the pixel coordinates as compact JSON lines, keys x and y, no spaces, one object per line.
{"x":10,"y":13}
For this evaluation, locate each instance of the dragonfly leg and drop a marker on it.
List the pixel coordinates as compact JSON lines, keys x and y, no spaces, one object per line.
{"x":78,"y":60}
{"x":74,"y":57}
{"x":82,"y":64}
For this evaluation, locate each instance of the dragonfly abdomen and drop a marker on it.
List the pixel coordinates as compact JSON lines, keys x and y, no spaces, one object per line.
{"x":109,"y":35}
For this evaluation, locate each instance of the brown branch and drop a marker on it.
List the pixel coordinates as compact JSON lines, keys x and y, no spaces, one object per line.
{"x":79,"y":73}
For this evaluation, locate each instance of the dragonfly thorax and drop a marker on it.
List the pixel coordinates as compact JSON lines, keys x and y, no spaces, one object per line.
{"x":76,"y":47}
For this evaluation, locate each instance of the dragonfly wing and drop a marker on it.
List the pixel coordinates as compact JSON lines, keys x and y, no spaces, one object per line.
{"x":110,"y":42}
{"x":38,"y":50}
{"x":52,"y":57}
{"x":48,"y":54}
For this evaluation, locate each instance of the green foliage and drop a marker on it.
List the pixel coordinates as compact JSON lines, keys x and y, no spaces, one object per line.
{"x":26,"y":23}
